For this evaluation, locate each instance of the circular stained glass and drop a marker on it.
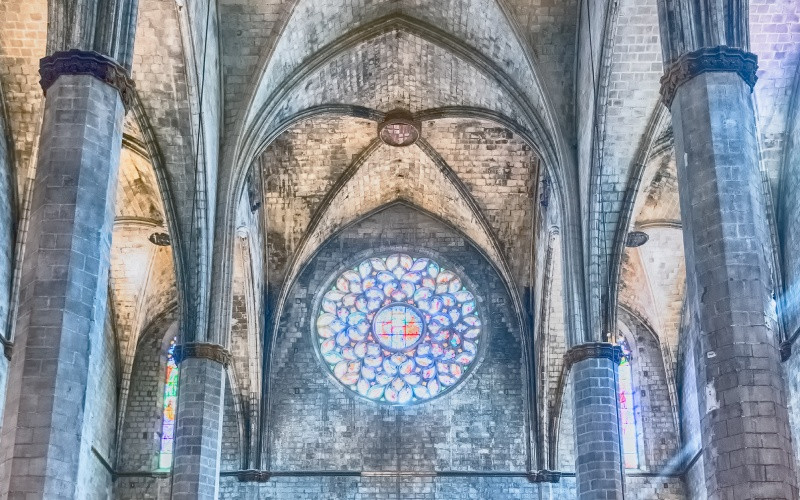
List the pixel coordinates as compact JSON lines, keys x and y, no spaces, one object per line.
{"x":398,"y":329}
{"x":398,"y":326}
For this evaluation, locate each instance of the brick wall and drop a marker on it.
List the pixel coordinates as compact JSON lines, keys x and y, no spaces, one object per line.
{"x":314,"y":425}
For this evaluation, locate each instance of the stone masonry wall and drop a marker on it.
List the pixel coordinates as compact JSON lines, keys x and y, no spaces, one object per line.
{"x":315,"y":426}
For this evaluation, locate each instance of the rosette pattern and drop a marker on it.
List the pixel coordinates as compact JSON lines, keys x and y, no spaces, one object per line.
{"x":398,"y":329}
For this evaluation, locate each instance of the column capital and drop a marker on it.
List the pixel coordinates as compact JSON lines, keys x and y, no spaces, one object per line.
{"x":85,"y":62}
{"x":214,"y":352}
{"x":592,"y":350}
{"x":708,"y":59}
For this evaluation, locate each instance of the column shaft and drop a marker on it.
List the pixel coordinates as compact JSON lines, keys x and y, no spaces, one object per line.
{"x":598,"y":459}
{"x":198,"y":429}
{"x":747,"y":447}
{"x":64,"y":288}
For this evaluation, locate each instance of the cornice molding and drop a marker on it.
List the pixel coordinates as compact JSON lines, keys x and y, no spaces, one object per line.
{"x":592,"y":350}
{"x":84,"y":62}
{"x":706,"y":60}
{"x":214,"y":352}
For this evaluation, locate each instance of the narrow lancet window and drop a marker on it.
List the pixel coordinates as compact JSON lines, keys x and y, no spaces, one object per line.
{"x":627,"y":411}
{"x":170,"y":403}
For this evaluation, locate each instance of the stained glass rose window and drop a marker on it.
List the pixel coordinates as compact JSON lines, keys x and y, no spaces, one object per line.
{"x":398,"y":329}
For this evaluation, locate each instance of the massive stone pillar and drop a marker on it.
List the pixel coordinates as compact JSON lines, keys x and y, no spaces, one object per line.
{"x":64,"y":283}
{"x":747,"y":448}
{"x":198,"y":425}
{"x":598,"y":456}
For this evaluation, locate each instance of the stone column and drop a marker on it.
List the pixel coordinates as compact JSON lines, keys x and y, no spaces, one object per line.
{"x":64,"y":283}
{"x":747,"y":449}
{"x":198,"y":425}
{"x":598,"y":456}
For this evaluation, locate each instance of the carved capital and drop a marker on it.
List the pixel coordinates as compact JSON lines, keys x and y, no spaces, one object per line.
{"x":544,"y":476}
{"x":253,"y":476}
{"x":214,"y":352}
{"x":592,"y":350}
{"x":705,"y":60}
{"x":786,"y":350}
{"x":83,"y":62}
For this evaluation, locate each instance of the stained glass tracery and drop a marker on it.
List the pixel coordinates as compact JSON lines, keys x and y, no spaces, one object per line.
{"x":627,"y":411}
{"x":398,"y":329}
{"x":170,"y":403}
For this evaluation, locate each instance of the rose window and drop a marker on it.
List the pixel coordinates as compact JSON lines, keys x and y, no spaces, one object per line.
{"x":398,"y":329}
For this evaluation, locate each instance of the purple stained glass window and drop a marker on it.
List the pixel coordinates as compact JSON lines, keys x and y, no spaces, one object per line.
{"x":398,"y":329}
{"x":170,"y":403}
{"x":627,"y":410}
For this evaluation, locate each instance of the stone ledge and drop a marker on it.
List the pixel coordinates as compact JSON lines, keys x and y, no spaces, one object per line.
{"x":83,"y":62}
{"x":214,"y":352}
{"x":708,"y":59}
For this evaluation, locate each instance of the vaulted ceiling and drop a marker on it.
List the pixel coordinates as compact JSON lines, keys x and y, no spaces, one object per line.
{"x":516,"y":98}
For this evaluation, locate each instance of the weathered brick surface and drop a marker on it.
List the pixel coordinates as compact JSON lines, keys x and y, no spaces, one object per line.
{"x":433,"y":77}
{"x":63,"y":289}
{"x":479,"y":24}
{"x":501,"y":173}
{"x":23,"y":37}
{"x":392,"y":174}
{"x":741,"y":391}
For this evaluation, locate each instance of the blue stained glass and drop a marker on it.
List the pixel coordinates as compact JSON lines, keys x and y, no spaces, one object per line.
{"x":406,"y":321}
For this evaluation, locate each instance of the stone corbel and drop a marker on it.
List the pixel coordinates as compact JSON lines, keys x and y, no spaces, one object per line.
{"x":253,"y":476}
{"x":85,"y":62}
{"x":214,"y":352}
{"x":706,"y":60}
{"x":544,"y":476}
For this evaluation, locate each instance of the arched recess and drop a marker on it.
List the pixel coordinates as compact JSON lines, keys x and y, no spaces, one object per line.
{"x":656,"y":408}
{"x":482,"y":91}
{"x":139,"y":434}
{"x":307,"y":439}
{"x":142,"y":276}
{"x":243,"y":412}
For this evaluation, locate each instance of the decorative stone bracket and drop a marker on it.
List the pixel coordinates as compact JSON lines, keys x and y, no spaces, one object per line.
{"x":85,"y":62}
{"x":708,"y":59}
{"x":214,"y":352}
{"x":544,"y":476}
{"x":253,"y":476}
